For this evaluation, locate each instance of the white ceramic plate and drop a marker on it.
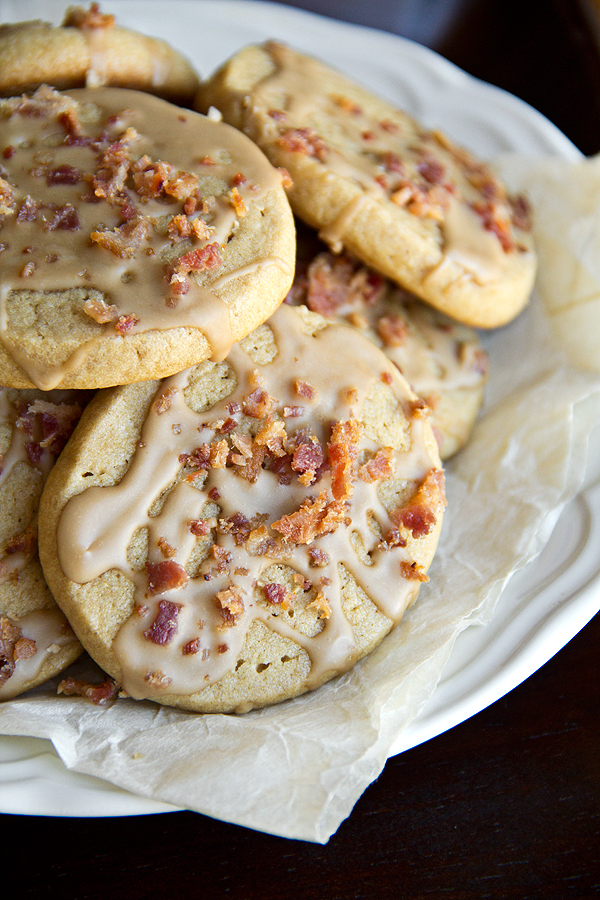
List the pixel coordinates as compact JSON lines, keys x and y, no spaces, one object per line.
{"x":549,"y":601}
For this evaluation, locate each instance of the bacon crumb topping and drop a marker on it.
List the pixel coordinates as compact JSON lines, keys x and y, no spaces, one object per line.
{"x":164,"y":627}
{"x":164,"y":576}
{"x":304,"y":141}
{"x":99,"y":694}
{"x":420,"y":514}
{"x":13,"y":647}
{"x":230,"y":605}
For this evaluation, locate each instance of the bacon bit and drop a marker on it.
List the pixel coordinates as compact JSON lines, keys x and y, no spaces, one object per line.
{"x":304,"y":141}
{"x":379,"y":466}
{"x":218,"y":454}
{"x":13,"y":646}
{"x":387,"y":377}
{"x":200,"y":527}
{"x":214,"y":494}
{"x":272,"y":435}
{"x":157,"y":680}
{"x":391,"y":162}
{"x":64,"y":175}
{"x":260,"y":542}
{"x":8,"y":152}
{"x":92,"y":18}
{"x":413,"y":572}
{"x":287,"y":182}
{"x":149,"y":177}
{"x":318,"y":559}
{"x":252,"y":469}
{"x":431,"y":169}
{"x":348,"y":105}
{"x":321,"y":604}
{"x":243,"y":442}
{"x":179,"y":227}
{"x":222,"y":555}
{"x":343,"y":451}
{"x":308,"y":458}
{"x":65,"y":218}
{"x":293,"y":412}
{"x":200,"y":260}
{"x":222,"y":648}
{"x":125,"y":239}
{"x":7,"y":199}
{"x":420,"y":514}
{"x":237,"y":201}
{"x":165,"y":548}
{"x":278,"y":114}
{"x":164,"y":627}
{"x":389,"y":126}
{"x":27,"y":270}
{"x":258,"y":404}
{"x":114,"y":164}
{"x":191,"y":647}
{"x":164,"y":576}
{"x":315,"y":517}
{"x":164,"y":402}
{"x":181,"y":185}
{"x":100,"y":311}
{"x":277,"y":594}
{"x":368,"y":135}
{"x":125,"y":324}
{"x":99,"y":694}
{"x":494,"y":221}
{"x":27,"y":211}
{"x":306,"y":390}
{"x":230,"y":605}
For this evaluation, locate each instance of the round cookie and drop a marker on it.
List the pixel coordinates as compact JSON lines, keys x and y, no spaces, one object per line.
{"x":89,"y":50}
{"x":403,"y":199}
{"x":442,"y":360}
{"x":246,"y":530}
{"x":36,"y":641}
{"x":136,"y":238}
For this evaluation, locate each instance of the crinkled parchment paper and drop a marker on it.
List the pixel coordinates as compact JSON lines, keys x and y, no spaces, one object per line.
{"x":297,"y":769}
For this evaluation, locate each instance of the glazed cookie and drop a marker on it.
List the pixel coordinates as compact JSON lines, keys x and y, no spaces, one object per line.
{"x":89,"y":50}
{"x":246,"y":530}
{"x":402,"y":199}
{"x":442,"y":360}
{"x":136,"y":238}
{"x":36,"y":641}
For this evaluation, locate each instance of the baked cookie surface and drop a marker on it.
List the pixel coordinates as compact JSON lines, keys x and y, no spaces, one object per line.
{"x":36,"y":641}
{"x":136,"y":238}
{"x":89,"y":50}
{"x":244,"y":531}
{"x":403,"y":199}
{"x":443,"y":361}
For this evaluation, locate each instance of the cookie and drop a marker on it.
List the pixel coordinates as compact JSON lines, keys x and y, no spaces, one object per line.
{"x":89,"y":50}
{"x":36,"y":641}
{"x":443,"y":361}
{"x":402,"y":199}
{"x":246,"y":530}
{"x":136,"y":238}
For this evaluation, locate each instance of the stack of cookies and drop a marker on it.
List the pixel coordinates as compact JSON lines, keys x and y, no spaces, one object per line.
{"x":252,"y":492}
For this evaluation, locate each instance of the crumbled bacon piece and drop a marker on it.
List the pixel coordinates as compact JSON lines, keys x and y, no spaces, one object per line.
{"x":412,"y":571}
{"x":293,"y":412}
{"x":64,"y":175}
{"x":304,"y":389}
{"x":191,"y":647}
{"x":165,"y":548}
{"x":230,"y":605}
{"x":164,"y":576}
{"x":23,"y":542}
{"x":28,"y":210}
{"x":125,"y":239}
{"x":125,"y":324}
{"x":431,"y":169}
{"x":420,"y":514}
{"x":272,"y":436}
{"x":318,"y":559}
{"x":321,"y":604}
{"x":99,"y":694}
{"x":164,"y":402}
{"x":342,"y":450}
{"x":304,"y":141}
{"x":181,"y":185}
{"x":493,"y":220}
{"x":150,"y":177}
{"x":200,"y":260}
{"x":381,"y":465}
{"x":7,"y":199}
{"x":347,"y":104}
{"x":237,"y":201}
{"x":315,"y":517}
{"x":200,"y":527}
{"x":65,"y":218}
{"x":258,"y":403}
{"x":252,"y":468}
{"x":308,"y":457}
{"x":13,"y":646}
{"x":164,"y":627}
{"x":520,"y":212}
{"x":100,"y":311}
{"x":277,"y":594}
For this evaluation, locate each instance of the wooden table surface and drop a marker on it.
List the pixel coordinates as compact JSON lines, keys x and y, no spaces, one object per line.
{"x":505,"y":805}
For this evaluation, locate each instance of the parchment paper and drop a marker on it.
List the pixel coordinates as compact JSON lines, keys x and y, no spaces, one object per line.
{"x":297,"y":769}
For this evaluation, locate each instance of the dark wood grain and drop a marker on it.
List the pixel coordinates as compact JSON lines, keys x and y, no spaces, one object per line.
{"x":505,"y":805}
